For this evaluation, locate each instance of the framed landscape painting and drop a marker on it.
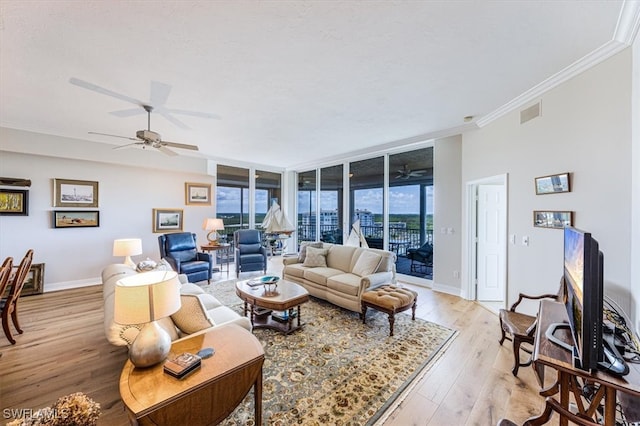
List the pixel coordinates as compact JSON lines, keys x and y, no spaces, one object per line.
{"x":552,"y":219}
{"x":553,"y":184}
{"x":75,"y":193}
{"x":197,"y":193}
{"x":14,"y":202}
{"x":76,"y":219}
{"x":167,"y":220}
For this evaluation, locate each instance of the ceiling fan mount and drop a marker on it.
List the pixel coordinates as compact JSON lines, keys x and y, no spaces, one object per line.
{"x":405,"y":172}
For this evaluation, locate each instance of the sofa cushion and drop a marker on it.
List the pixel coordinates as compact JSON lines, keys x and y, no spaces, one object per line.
{"x":192,"y":315}
{"x":303,"y":249}
{"x":295,"y":270}
{"x":315,"y":257}
{"x":367,"y":263}
{"x":340,"y":257}
{"x":345,"y":284}
{"x":319,"y":275}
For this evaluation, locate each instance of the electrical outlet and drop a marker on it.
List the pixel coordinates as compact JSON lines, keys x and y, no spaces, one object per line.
{"x":456,"y":274}
{"x":525,"y":240}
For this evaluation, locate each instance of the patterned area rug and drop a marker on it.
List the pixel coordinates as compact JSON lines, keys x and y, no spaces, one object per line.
{"x":336,"y":370}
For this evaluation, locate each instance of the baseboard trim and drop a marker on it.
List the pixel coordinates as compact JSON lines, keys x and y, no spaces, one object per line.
{"x":442,"y":288}
{"x":67,"y":285}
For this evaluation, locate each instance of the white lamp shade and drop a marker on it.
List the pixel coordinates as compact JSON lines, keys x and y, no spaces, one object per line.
{"x":211,"y":224}
{"x":146,"y":297}
{"x":127,"y":247}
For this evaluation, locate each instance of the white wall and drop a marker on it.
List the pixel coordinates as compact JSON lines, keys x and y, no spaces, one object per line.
{"x":127,"y":195}
{"x":585,"y":129}
{"x":447,"y":215}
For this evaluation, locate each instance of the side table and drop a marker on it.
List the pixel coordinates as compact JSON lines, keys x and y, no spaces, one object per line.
{"x":205,"y":397}
{"x":225,"y":254}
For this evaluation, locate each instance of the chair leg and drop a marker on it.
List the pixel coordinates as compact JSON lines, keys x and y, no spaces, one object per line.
{"x":502,"y":329}
{"x":364,"y":314}
{"x":14,"y":318}
{"x":516,"y":356}
{"x":5,"y":326}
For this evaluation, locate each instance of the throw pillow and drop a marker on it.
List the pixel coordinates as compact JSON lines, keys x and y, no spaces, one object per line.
{"x":367,"y":263}
{"x":315,"y":257}
{"x":303,"y":249}
{"x":192,"y":316}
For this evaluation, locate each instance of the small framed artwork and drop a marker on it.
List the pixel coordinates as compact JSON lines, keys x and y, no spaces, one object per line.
{"x":197,"y":193}
{"x":34,"y":282}
{"x":552,"y":219}
{"x":75,"y":193}
{"x":167,"y":220}
{"x":14,"y":202}
{"x":553,"y":184}
{"x":76,"y":218}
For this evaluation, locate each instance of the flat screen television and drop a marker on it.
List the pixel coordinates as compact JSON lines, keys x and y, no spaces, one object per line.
{"x":583,"y":298}
{"x":584,"y":295}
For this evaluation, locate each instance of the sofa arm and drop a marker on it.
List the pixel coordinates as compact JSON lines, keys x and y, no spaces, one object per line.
{"x":375,"y":280}
{"x":290,"y":260}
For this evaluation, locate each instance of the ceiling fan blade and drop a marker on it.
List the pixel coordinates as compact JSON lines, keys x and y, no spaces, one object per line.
{"x":193,"y":113}
{"x":102,"y":90}
{"x":159,"y":93}
{"x":172,"y":119}
{"x":128,"y":145}
{"x":127,"y":112}
{"x":179,"y":145}
{"x":166,"y":150}
{"x":114,"y":136}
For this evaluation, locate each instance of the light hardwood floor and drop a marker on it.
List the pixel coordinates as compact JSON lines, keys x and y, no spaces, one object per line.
{"x":63,"y":350}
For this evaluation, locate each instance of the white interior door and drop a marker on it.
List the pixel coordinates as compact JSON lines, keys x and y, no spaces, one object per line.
{"x":491,"y":243}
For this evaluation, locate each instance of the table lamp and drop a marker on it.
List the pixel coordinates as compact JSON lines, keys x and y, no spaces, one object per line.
{"x":213,"y":225}
{"x":127,"y":247}
{"x":142,"y":299}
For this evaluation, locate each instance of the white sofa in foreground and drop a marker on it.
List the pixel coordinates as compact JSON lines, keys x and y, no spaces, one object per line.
{"x":347,"y":272}
{"x":200,"y":311}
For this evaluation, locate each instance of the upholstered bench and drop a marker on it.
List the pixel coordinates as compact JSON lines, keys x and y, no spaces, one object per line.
{"x":390,"y":300}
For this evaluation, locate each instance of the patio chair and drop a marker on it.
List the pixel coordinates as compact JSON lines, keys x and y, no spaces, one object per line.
{"x":421,"y":257}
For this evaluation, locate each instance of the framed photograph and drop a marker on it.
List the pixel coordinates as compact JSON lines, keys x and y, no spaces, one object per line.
{"x":76,"y":219}
{"x":167,"y":220}
{"x":552,"y":219}
{"x":553,"y":184}
{"x":14,"y":202}
{"x":34,"y":283}
{"x":75,"y":193}
{"x":197,"y":193}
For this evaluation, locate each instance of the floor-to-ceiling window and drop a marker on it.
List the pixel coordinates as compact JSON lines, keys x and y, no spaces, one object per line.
{"x":366,"y":196}
{"x":331,"y":183}
{"x":306,"y":206}
{"x":268,"y":190}
{"x":411,"y":210}
{"x":232,"y":198}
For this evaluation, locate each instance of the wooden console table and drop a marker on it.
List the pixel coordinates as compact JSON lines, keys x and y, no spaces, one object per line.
{"x":206,"y":396}
{"x":625,"y":390}
{"x":225,"y":255}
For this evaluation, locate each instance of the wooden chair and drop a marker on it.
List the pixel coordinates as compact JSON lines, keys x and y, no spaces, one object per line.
{"x":521,"y":327}
{"x":5,"y":273}
{"x":550,"y":406}
{"x":9,"y":305}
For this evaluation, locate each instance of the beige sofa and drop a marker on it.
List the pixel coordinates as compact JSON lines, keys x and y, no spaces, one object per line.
{"x":200,"y":311}
{"x":349,"y":272}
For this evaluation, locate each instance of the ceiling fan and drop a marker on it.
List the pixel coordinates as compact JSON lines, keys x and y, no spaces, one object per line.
{"x":149,"y":138}
{"x":159,"y":93}
{"x":405,"y":173}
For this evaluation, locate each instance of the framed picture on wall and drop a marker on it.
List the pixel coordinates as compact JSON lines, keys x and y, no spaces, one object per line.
{"x":197,"y":193}
{"x":76,"y":218}
{"x":14,"y":202}
{"x":167,"y":220}
{"x":552,"y":219}
{"x":75,"y":193}
{"x":34,"y":282}
{"x":553,"y":184}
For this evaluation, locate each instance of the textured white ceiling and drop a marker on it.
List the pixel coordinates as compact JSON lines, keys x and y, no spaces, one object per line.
{"x":291,"y":81}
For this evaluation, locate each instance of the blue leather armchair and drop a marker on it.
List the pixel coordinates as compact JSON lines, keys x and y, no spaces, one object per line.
{"x":181,"y":251}
{"x":250,"y":254}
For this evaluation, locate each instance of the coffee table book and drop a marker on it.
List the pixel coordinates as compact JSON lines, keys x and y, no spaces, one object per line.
{"x":182,"y":365}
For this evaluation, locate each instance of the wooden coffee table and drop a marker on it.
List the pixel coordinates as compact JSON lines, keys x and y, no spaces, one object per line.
{"x":261,"y":301}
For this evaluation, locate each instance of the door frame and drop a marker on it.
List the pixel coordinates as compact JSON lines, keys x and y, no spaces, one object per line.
{"x":471,"y":213}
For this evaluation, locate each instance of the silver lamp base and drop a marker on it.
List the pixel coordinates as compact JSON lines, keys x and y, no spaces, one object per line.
{"x":152,"y":345}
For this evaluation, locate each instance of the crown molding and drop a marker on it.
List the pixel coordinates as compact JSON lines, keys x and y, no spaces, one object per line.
{"x":624,"y":35}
